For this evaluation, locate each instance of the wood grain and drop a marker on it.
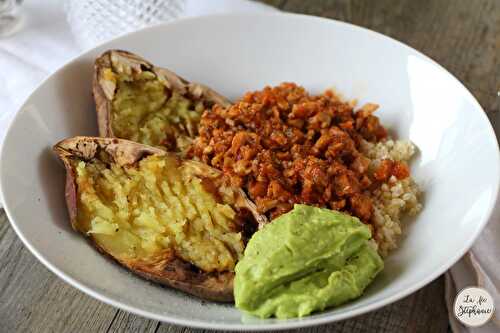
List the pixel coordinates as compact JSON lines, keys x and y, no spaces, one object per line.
{"x":32,"y":299}
{"x":462,"y":35}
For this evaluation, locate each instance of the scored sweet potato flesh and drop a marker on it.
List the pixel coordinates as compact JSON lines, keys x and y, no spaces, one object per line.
{"x":174,"y":221}
{"x":144,"y":103}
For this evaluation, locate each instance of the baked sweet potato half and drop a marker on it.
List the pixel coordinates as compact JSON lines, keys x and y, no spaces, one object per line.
{"x":174,"y":221}
{"x":138,"y":101}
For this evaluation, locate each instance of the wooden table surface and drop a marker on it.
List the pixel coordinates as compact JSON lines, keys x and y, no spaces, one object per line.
{"x":462,"y":35}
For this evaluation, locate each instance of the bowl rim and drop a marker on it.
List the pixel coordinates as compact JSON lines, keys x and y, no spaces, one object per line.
{"x":279,"y":325}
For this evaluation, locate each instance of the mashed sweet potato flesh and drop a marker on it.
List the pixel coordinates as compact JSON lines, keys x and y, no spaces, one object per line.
{"x":145,"y":111}
{"x":142,"y":212}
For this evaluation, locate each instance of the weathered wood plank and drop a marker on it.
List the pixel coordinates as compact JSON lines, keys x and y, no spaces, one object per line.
{"x":32,"y":299}
{"x":127,"y":322}
{"x":335,"y":9}
{"x":275,"y":3}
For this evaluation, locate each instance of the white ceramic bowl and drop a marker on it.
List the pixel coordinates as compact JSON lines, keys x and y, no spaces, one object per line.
{"x":457,"y":165}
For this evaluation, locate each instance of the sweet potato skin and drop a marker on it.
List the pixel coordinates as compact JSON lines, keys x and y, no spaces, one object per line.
{"x":168,"y":270}
{"x":102,"y":103}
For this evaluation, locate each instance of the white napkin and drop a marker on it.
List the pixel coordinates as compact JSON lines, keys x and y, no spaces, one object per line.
{"x":479,"y":267}
{"x":45,"y":43}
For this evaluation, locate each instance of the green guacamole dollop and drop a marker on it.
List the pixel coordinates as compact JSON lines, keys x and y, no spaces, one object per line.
{"x":304,"y":261}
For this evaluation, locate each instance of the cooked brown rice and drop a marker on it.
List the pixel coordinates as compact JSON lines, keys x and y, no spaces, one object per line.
{"x":395,"y":198}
